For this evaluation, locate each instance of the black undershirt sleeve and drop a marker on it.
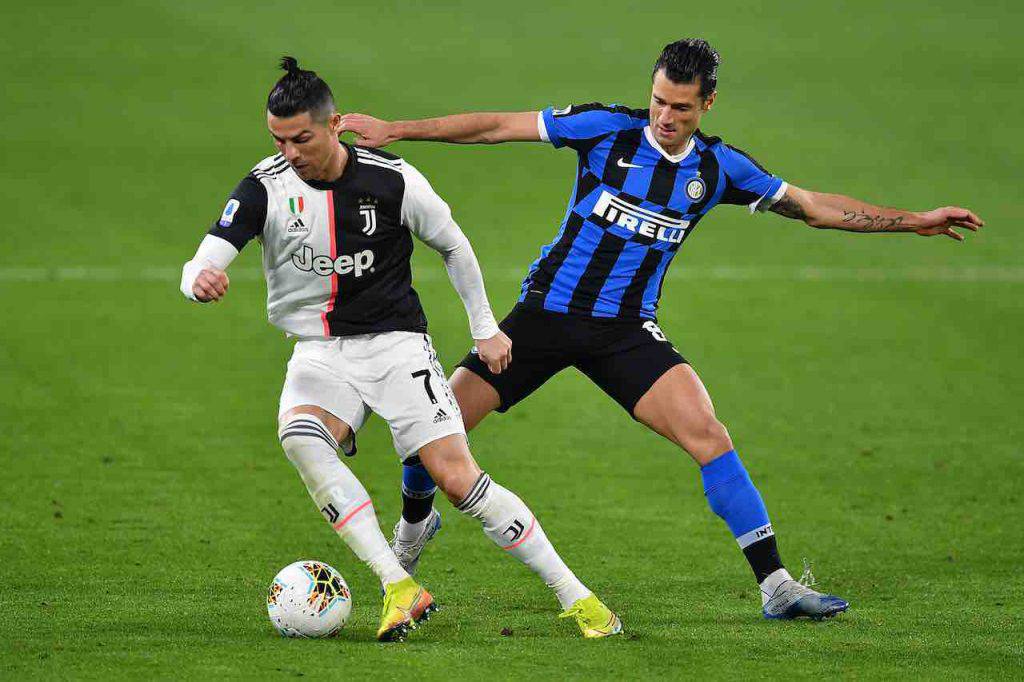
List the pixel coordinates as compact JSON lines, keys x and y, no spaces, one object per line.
{"x":244,"y":214}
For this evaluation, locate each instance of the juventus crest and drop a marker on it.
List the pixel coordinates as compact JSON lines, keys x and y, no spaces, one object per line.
{"x":368,"y":212}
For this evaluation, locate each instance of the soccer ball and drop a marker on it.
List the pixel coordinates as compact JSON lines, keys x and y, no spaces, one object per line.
{"x":308,"y":599}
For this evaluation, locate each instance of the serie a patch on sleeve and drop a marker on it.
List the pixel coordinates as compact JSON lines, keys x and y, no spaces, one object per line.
{"x":230,"y":209}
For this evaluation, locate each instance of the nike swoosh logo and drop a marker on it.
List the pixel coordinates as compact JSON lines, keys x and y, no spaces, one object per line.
{"x":622,"y":164}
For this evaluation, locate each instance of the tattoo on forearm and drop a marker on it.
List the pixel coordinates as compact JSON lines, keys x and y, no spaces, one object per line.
{"x":871,"y":223}
{"x":788,"y":208}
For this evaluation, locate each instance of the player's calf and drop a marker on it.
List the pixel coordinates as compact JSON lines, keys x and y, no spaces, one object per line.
{"x":341,"y":498}
{"x":508,"y":522}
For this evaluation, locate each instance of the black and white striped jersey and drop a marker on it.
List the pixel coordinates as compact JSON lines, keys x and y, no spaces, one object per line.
{"x":336,"y":254}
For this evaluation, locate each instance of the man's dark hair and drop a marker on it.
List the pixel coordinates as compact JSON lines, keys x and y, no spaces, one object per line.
{"x":300,"y":91}
{"x":687,"y":60}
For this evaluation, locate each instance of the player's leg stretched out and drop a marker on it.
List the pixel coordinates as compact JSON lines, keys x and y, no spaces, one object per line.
{"x":676,"y":405}
{"x":310,"y":437}
{"x":510,"y":524}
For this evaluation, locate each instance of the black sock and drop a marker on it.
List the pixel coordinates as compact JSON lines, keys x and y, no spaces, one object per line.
{"x":763,"y":557}
{"x":418,"y":491}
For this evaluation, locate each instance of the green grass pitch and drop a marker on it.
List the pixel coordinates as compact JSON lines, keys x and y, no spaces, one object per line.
{"x":873,"y":384}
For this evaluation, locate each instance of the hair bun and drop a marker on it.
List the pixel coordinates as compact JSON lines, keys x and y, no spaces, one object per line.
{"x":291,"y":65}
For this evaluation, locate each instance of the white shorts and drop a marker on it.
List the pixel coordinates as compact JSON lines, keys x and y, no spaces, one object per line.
{"x":395,"y":374}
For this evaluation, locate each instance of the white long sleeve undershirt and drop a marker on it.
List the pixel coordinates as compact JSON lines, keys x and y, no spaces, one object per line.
{"x":430,"y":219}
{"x":212,"y":252}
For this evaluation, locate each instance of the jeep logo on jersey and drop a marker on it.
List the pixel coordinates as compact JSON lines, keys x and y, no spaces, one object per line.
{"x":357,"y":263}
{"x":635,"y":219}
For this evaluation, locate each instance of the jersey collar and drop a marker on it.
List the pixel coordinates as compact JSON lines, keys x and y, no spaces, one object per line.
{"x":674,"y":158}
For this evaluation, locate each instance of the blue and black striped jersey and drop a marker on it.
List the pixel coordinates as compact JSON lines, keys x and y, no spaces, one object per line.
{"x":632,"y":206}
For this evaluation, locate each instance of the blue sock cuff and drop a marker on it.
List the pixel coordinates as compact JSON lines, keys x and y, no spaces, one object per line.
{"x":721,"y":470}
{"x":415,"y":479}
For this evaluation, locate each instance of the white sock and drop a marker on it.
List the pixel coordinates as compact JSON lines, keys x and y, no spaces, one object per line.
{"x":408,"y":532}
{"x":772,"y":582}
{"x":338,"y":494}
{"x":512,"y":526}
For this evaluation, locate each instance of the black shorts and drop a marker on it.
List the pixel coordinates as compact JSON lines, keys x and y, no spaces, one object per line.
{"x":623,"y":357}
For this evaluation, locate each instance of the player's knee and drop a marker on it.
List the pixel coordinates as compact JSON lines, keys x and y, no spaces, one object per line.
{"x":707,"y":439}
{"x":456,"y":485}
{"x":338,"y":429}
{"x":451,"y":466}
{"x":304,"y":438}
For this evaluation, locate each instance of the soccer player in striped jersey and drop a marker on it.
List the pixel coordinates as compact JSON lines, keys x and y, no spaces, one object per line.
{"x":336,"y":224}
{"x":644,"y":181}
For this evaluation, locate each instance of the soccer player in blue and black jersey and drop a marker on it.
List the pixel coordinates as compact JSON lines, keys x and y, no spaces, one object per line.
{"x":645,"y":179}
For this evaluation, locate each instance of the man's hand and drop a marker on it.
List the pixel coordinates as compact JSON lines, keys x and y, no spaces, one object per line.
{"x":369,"y":131}
{"x":943,"y":220}
{"x":211,"y":285}
{"x":496,"y":352}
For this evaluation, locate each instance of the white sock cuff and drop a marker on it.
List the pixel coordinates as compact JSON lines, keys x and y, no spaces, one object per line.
{"x":471,"y":503}
{"x":755,"y":535}
{"x":307,"y":426}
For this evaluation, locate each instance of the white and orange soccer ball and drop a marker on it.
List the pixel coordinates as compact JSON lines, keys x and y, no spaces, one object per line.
{"x":309,"y":599}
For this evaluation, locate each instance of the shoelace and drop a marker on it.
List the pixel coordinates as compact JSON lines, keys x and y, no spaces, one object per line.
{"x":571,"y":612}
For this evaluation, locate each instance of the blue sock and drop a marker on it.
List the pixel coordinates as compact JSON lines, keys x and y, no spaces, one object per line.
{"x":418,"y":490}
{"x":732,"y":496}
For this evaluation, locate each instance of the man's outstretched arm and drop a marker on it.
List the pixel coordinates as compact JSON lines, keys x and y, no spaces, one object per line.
{"x":475,"y":128}
{"x":835,"y":211}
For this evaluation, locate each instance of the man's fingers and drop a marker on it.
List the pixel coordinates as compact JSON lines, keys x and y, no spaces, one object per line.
{"x":962,"y":215}
{"x":202,"y":293}
{"x":213,"y":283}
{"x":974,"y":218}
{"x":348,"y":121}
{"x":494,"y":366}
{"x":973,"y":227}
{"x":950,"y":232}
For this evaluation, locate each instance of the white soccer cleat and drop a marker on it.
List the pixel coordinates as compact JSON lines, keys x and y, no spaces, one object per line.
{"x":793,"y":600}
{"x":408,"y":552}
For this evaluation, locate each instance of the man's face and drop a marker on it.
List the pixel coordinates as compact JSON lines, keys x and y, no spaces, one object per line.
{"x":307,"y":144}
{"x":676,"y":109}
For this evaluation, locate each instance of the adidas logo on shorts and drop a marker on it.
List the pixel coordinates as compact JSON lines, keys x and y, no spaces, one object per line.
{"x":441,"y":416}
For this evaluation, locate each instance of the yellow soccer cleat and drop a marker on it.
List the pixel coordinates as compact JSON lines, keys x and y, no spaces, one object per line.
{"x":594,"y":618}
{"x":406,"y":603}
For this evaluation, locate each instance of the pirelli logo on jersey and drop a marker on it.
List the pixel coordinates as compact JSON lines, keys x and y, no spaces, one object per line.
{"x":639,"y":220}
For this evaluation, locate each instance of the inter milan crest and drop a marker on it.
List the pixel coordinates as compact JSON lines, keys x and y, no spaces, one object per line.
{"x":695,"y":188}
{"x":368,"y":211}
{"x":296,"y":205}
